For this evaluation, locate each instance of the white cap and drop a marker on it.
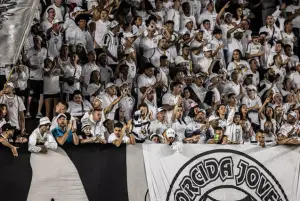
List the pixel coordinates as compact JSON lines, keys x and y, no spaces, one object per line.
{"x":213,"y":75}
{"x":113,"y":24}
{"x":109,"y":85}
{"x":84,"y":125}
{"x":170,"y":133}
{"x":180,"y":59}
{"x":38,"y":37}
{"x":160,"y":109}
{"x":188,"y":20}
{"x":292,"y":113}
{"x":239,"y":30}
{"x":227,"y":13}
{"x":61,"y":115}
{"x":56,"y":21}
{"x":44,"y":121}
{"x":129,"y":50}
{"x":207,"y":48}
{"x":10,"y":84}
{"x":251,"y":86}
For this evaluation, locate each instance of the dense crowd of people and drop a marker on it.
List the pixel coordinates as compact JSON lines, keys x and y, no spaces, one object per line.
{"x":154,"y":71}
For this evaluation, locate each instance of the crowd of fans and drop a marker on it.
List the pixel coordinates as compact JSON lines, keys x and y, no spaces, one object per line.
{"x":156,"y":71}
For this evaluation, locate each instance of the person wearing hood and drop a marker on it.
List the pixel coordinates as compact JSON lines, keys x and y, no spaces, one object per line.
{"x":41,"y":139}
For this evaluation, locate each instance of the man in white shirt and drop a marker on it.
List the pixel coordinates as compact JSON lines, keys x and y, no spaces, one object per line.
{"x":15,"y":107}
{"x":273,"y":31}
{"x":293,"y":13}
{"x":111,"y":44}
{"x":54,"y":42}
{"x":208,"y":14}
{"x":121,"y":135}
{"x":35,"y":57}
{"x":173,"y":14}
{"x":107,"y":73}
{"x":41,"y":139}
{"x":87,"y":71}
{"x":159,"y":125}
{"x":235,"y":43}
{"x":186,"y":8}
{"x":109,"y":97}
{"x":289,"y":132}
{"x":203,"y":64}
{"x":295,"y":77}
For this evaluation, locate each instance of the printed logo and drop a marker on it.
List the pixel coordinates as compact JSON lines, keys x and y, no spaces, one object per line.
{"x":225,"y":175}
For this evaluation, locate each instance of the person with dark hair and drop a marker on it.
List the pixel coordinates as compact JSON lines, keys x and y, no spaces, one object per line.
{"x":234,"y":130}
{"x":218,"y":137}
{"x":186,"y":8}
{"x":238,"y":63}
{"x":6,"y":136}
{"x":64,"y":132}
{"x":121,"y":135}
{"x":79,"y":106}
{"x":172,"y":98}
{"x":140,"y":122}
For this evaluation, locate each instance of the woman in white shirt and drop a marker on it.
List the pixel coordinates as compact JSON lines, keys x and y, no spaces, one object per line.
{"x":178,"y":124}
{"x":51,"y":86}
{"x":95,"y":87}
{"x":79,"y":106}
{"x":237,"y":63}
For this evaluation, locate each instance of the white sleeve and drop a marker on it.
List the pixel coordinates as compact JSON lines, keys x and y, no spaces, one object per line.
{"x":165,"y":99}
{"x":276,"y":14}
{"x":230,"y":117}
{"x":32,"y":143}
{"x":51,"y":143}
{"x":170,"y":15}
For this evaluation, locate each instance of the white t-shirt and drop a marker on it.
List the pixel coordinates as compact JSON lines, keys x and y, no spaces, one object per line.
{"x":51,"y":83}
{"x":291,"y":9}
{"x":112,"y":137}
{"x":169,"y":99}
{"x":86,"y":74}
{"x":54,"y":44}
{"x":106,"y":74}
{"x":77,"y":110}
{"x":144,"y":81}
{"x":101,"y":29}
{"x":250,"y":103}
{"x":106,"y":101}
{"x":36,"y":58}
{"x":14,"y":106}
{"x":71,"y":71}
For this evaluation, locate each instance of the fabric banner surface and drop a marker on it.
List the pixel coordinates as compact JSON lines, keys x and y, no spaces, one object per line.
{"x":222,"y":173}
{"x":15,"y":24}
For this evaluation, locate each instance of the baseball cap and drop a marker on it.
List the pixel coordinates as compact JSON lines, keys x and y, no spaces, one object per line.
{"x":160,"y":109}
{"x":44,"y":121}
{"x":292,"y":113}
{"x":207,"y":48}
{"x":7,"y":127}
{"x":38,"y":37}
{"x":170,"y":132}
{"x":61,"y":115}
{"x":108,"y":85}
{"x":85,"y":124}
{"x":203,"y":111}
{"x":56,"y":21}
{"x":240,"y":30}
{"x":10,"y":84}
{"x":251,"y":86}
{"x":113,"y":24}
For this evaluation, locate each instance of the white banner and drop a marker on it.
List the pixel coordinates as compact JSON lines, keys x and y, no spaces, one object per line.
{"x":222,"y":173}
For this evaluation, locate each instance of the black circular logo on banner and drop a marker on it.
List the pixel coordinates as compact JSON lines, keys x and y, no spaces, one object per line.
{"x":225,"y":175}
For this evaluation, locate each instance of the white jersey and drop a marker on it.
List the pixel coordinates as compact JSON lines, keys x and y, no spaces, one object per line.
{"x":36,"y":58}
{"x":14,"y":106}
{"x":75,"y":73}
{"x":54,"y":44}
{"x":51,"y":83}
